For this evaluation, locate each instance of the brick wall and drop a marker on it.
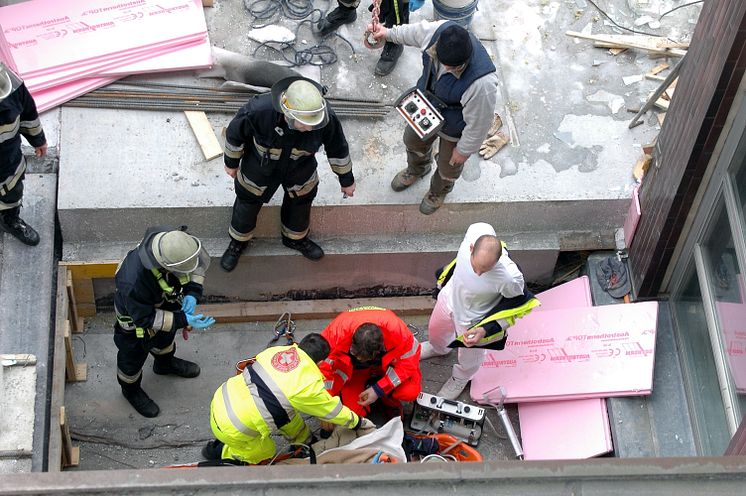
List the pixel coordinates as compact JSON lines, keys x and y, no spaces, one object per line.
{"x":707,"y":84}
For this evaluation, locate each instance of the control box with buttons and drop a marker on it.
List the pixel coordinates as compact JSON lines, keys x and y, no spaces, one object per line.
{"x":419,"y":113}
{"x":434,"y":414}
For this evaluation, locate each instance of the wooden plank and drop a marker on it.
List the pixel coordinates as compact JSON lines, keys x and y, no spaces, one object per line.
{"x":208,"y":3}
{"x":54,"y":453}
{"x":104,"y":269}
{"x":661,"y":117}
{"x":640,"y":45}
{"x":70,"y":453}
{"x":655,"y":77}
{"x":204,"y":133}
{"x":617,"y":51}
{"x":658,"y":68}
{"x":313,"y":309}
{"x":72,"y":305}
{"x":83,"y":274}
{"x":641,"y":167}
{"x":74,"y":372}
{"x":661,"y":103}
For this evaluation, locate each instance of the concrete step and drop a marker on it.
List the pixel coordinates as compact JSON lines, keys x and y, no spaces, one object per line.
{"x":658,"y":425}
{"x":26,"y":286}
{"x":155,"y":174}
{"x":404,"y":265}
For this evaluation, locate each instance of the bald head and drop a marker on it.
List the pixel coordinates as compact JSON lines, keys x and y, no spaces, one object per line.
{"x":485,"y":252}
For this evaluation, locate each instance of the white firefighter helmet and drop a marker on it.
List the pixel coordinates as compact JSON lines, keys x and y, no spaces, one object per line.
{"x":176,"y":251}
{"x":302,"y":100}
{"x":5,"y":84}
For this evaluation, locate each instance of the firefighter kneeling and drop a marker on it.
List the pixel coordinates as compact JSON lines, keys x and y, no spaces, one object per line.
{"x":269,"y":396}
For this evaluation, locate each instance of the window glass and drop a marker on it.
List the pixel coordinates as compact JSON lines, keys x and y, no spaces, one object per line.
{"x":699,"y":368}
{"x":725,"y":279}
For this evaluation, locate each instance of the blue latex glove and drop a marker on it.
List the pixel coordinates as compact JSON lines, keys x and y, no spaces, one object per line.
{"x":199,"y":321}
{"x":415,"y":4}
{"x":189,"y":304}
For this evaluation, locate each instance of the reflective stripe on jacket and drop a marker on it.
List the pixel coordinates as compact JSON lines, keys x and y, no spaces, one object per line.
{"x":400,"y":362}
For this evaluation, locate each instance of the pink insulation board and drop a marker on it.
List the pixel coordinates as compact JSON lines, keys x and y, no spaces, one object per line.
{"x":188,"y":58}
{"x":633,"y":217}
{"x":47,"y":35}
{"x":575,"y":353}
{"x":571,"y":429}
{"x":58,"y":95}
{"x":565,"y":430}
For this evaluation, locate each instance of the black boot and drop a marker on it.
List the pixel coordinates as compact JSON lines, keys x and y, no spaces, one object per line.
{"x":139,"y":400}
{"x":389,"y":57}
{"x":334,"y":19}
{"x":175,"y":366}
{"x":308,"y":248}
{"x":229,"y":260}
{"x":12,"y":224}
{"x":213,"y":450}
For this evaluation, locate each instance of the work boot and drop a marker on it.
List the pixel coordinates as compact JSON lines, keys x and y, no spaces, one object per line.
{"x":308,"y":248}
{"x":139,"y":400}
{"x":213,"y":450}
{"x":431,"y":202}
{"x":334,"y":19}
{"x":229,"y":260}
{"x":12,"y":224}
{"x":452,"y":388}
{"x":387,"y":62}
{"x":404,"y":179}
{"x":427,"y":351}
{"x":175,"y":366}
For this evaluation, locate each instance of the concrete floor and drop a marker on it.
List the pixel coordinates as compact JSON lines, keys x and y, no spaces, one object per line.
{"x":112,"y":435}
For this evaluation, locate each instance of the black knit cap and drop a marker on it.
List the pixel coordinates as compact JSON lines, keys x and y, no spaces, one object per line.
{"x":454,"y":46}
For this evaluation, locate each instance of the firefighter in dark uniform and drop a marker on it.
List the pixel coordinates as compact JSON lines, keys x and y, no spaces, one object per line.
{"x":158,"y":285}
{"x":272,"y":141}
{"x":18,"y":116}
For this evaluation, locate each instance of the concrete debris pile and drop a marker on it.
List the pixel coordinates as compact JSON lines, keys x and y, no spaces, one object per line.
{"x":64,"y":49}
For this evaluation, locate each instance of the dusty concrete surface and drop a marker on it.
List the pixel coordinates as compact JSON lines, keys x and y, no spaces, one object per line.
{"x":113,"y":436}
{"x":18,"y":386}
{"x":26,"y":296}
{"x":566,"y":99}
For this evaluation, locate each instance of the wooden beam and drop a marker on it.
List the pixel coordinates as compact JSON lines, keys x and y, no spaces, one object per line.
{"x":104,"y":269}
{"x":54,"y":453}
{"x":313,"y":309}
{"x":618,"y":43}
{"x":204,"y":133}
{"x":74,"y":372}
{"x":70,"y":453}
{"x":75,"y":319}
{"x":82,"y":274}
{"x":208,"y":3}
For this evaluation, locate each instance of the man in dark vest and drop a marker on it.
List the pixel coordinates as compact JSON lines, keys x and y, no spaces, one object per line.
{"x":458,"y":77}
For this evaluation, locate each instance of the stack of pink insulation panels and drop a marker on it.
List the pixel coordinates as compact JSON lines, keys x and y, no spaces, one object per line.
{"x":64,"y":49}
{"x":577,"y":354}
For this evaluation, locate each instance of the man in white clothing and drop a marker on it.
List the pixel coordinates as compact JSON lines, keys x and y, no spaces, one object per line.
{"x":482,"y":292}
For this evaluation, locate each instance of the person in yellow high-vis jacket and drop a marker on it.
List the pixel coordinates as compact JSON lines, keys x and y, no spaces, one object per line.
{"x":268,"y":397}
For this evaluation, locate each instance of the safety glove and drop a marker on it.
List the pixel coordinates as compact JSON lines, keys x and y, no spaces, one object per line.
{"x":189,"y":304}
{"x":199,"y":321}
{"x":364,"y":424}
{"x":415,"y":4}
{"x":492,"y":145}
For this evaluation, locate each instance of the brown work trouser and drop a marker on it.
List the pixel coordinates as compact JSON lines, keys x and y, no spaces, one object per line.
{"x":419,"y":157}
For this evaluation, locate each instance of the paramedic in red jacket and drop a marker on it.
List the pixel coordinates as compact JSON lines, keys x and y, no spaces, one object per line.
{"x":373,"y":356}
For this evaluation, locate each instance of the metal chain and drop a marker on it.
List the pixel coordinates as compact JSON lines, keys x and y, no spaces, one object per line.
{"x":368,"y":39}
